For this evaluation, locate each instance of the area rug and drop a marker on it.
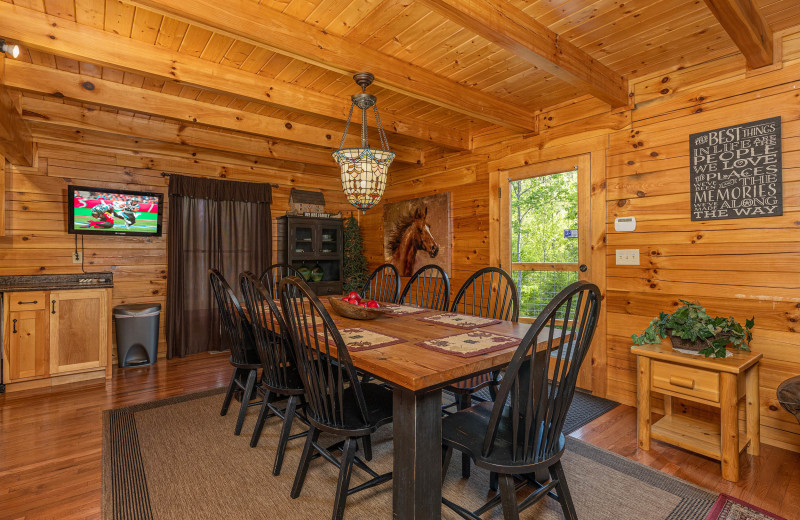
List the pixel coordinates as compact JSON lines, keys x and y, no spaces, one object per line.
{"x":178,"y":459}
{"x":730,"y":508}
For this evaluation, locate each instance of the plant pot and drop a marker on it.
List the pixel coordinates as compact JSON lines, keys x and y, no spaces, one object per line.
{"x":686,"y":344}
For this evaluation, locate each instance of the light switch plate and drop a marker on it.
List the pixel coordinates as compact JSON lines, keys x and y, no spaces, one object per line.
{"x":627,"y":257}
{"x":77,"y":257}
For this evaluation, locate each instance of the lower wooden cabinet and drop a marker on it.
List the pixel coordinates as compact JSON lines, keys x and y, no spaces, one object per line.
{"x":53,"y":335}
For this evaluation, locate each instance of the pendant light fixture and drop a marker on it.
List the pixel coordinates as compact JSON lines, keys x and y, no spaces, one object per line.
{"x":364,"y":169}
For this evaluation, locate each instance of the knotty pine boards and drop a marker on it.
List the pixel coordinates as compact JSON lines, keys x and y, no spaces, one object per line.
{"x":739,"y":267}
{"x":37,"y":242}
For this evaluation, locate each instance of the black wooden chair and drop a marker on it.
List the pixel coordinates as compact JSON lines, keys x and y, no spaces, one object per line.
{"x":524,"y":437}
{"x":489,"y":293}
{"x":280,"y":379}
{"x":338,"y":403}
{"x":429,"y":287}
{"x":272,"y":276}
{"x":383,"y":285}
{"x":244,"y":355}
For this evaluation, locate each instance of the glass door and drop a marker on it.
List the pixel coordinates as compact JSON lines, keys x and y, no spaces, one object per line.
{"x":545,"y":238}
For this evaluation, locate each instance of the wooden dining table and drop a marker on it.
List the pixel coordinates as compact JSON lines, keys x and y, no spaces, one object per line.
{"x":417,"y":376}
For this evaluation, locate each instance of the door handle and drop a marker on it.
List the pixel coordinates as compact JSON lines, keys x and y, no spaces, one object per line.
{"x":15,"y":327}
{"x":34,"y":302}
{"x":583,"y":268}
{"x":54,"y":308}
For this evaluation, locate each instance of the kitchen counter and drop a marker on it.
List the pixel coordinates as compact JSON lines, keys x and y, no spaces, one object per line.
{"x":40,"y":282}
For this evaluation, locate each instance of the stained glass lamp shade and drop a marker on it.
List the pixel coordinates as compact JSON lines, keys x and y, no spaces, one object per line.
{"x":364,"y":169}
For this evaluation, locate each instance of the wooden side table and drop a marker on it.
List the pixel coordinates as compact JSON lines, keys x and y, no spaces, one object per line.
{"x":720,"y":383}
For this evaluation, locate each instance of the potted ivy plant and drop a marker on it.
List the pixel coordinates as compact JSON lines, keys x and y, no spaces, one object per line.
{"x":691,"y":328}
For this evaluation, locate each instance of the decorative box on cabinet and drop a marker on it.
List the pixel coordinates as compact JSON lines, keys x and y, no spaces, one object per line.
{"x":311,"y":241}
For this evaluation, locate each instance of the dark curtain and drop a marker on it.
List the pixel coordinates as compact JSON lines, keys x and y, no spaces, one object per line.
{"x":212,"y":223}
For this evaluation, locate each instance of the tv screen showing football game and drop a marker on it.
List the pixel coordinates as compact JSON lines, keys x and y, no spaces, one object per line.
{"x":96,"y":211}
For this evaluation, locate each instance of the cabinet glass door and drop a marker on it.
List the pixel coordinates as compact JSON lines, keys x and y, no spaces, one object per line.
{"x":303,"y":240}
{"x":329,"y":240}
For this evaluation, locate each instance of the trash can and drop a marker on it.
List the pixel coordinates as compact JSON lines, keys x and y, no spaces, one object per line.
{"x":137,"y":333}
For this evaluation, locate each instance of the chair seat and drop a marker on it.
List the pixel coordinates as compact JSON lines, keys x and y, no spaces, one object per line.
{"x":252,"y":361}
{"x":292,"y":386}
{"x":379,"y":407}
{"x":471,"y":384}
{"x":465,"y":431}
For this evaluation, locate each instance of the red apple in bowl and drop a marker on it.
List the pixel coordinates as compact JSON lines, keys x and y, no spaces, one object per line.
{"x":372,"y":304}
{"x":354,"y":296}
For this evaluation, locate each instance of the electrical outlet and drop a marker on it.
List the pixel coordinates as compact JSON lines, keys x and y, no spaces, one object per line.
{"x":77,"y":257}
{"x":627,"y":257}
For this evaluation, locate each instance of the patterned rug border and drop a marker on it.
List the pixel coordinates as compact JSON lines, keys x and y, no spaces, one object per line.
{"x":722,"y":499}
{"x":695,"y":500}
{"x":137,"y":487}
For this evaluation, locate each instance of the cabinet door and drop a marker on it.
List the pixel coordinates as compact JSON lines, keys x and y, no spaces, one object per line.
{"x":26,"y":341}
{"x":78,"y":330}
{"x":303,"y":239}
{"x":330,"y":234}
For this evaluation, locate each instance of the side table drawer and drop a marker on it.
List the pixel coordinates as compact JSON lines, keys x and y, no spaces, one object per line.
{"x":694,"y":382}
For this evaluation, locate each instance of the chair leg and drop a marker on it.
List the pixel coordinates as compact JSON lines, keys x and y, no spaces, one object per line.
{"x":248,"y":393}
{"x":508,"y":497}
{"x":493,"y":483}
{"x":305,"y":460}
{"x":464,"y":403}
{"x":447,"y":454}
{"x":288,"y":416}
{"x":366,"y":442}
{"x":229,"y":395}
{"x":564,"y":498}
{"x":262,"y":418}
{"x":345,"y":470}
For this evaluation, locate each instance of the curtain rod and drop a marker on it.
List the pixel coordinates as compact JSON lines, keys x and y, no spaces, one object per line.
{"x":165,"y":174}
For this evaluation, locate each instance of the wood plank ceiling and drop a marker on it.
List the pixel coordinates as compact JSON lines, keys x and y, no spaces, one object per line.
{"x":208,"y":66}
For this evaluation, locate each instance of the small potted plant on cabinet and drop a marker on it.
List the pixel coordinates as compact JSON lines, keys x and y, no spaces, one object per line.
{"x":691,"y":328}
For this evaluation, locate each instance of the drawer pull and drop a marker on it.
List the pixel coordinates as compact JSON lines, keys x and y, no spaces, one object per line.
{"x":34,"y":302}
{"x":54,"y":308}
{"x":682,"y":382}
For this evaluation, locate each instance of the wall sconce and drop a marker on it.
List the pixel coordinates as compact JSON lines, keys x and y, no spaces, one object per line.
{"x":11,"y":50}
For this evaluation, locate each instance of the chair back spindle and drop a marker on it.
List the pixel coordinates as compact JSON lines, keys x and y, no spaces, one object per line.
{"x":383,"y":284}
{"x":272,"y":276}
{"x":541,"y":382}
{"x":429,"y":287}
{"x":235,"y":326}
{"x":270,"y":332}
{"x":488,"y":293}
{"x":322,"y":358}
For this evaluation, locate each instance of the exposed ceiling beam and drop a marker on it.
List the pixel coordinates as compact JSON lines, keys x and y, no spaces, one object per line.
{"x":69,"y":39}
{"x":16,"y":144}
{"x":260,"y":25}
{"x":45,"y":80}
{"x":503,"y":24}
{"x":748,"y":29}
{"x":232,"y":148}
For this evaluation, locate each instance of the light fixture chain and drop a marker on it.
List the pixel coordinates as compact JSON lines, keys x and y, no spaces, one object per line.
{"x":381,"y":132}
{"x":346,"y":126}
{"x":364,"y":133}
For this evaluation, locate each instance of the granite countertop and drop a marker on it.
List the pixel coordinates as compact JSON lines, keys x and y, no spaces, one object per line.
{"x":45,"y":282}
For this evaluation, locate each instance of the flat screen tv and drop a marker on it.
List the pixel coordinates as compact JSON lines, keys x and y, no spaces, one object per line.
{"x":99,"y":211}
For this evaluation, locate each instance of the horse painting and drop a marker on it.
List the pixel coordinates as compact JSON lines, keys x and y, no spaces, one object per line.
{"x":411,"y":234}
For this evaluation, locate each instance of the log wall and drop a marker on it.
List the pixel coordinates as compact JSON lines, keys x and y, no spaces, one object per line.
{"x":36,"y":238}
{"x":739,"y":267}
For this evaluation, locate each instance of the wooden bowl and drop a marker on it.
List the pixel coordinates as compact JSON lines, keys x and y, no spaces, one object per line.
{"x":356,"y":312}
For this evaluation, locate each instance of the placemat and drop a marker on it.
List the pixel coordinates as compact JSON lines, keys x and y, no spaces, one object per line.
{"x":468,"y":344}
{"x":460,"y":321}
{"x":395,"y":309}
{"x":358,"y":339}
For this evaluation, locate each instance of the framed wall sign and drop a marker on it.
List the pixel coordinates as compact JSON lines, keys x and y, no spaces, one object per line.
{"x":735,"y":172}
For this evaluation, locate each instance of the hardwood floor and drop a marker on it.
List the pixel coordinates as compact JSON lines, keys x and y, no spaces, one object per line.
{"x":50,"y":444}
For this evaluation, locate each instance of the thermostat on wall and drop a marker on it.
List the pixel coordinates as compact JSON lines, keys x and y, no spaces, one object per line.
{"x":623,"y":224}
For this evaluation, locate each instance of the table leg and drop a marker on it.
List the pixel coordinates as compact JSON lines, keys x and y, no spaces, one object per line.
{"x":417,"y":477}
{"x":729,"y":426}
{"x":643,"y":405}
{"x":753,"y":410}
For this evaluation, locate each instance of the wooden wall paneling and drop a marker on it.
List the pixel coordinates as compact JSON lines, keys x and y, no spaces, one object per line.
{"x":16,"y":143}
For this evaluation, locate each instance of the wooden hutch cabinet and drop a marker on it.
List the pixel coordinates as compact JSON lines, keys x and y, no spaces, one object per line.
{"x":314,"y":243}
